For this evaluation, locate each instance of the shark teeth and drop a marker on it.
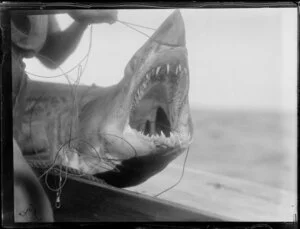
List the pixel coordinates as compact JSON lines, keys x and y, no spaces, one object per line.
{"x":170,"y":75}
{"x":157,"y":70}
{"x":161,"y":73}
{"x":161,"y":139}
{"x":179,"y":67}
{"x":185,"y":70}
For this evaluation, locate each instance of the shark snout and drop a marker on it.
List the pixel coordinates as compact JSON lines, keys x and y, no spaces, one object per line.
{"x":171,"y":32}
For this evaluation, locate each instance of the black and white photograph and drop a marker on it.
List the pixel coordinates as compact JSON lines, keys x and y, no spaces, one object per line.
{"x":138,"y":115}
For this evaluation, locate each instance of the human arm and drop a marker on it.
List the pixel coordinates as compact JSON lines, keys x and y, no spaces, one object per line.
{"x":59,"y":45}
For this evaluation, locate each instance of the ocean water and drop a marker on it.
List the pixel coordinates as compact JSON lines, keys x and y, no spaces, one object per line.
{"x":251,"y":155}
{"x":255,"y":146}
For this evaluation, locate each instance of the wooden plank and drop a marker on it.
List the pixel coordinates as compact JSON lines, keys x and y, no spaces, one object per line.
{"x":232,"y":198}
{"x":86,"y":201}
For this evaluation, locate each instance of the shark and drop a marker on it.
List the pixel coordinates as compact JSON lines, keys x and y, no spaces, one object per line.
{"x":123,"y":134}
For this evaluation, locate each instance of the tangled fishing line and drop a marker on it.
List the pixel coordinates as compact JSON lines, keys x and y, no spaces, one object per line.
{"x":97,"y":160}
{"x":74,"y":111}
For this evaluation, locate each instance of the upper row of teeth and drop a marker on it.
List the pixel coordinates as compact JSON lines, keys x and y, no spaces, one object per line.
{"x":177,"y":70}
{"x":144,"y":85}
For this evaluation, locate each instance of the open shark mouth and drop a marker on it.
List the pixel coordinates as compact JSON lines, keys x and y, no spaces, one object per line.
{"x":155,"y":118}
{"x":155,"y":107}
{"x":158,"y":124}
{"x":126,"y":133}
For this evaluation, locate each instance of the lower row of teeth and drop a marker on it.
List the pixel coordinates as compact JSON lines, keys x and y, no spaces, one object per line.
{"x":162,"y":138}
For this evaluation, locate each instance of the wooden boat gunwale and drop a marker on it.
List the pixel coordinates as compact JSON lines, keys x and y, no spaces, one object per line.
{"x":99,"y":202}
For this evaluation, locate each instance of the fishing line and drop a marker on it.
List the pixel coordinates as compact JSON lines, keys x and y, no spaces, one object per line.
{"x":73,"y":90}
{"x":61,"y":185}
{"x":53,"y":163}
{"x":98,"y":157}
{"x":141,"y":26}
{"x":135,"y":153}
{"x":74,"y":106}
{"x":184,"y":163}
{"x":62,"y":147}
{"x":182,"y":173}
{"x":30,"y":122}
{"x":86,"y":56}
{"x":79,"y":74}
{"x":33,"y":107}
{"x":129,"y":25}
{"x":63,"y":73}
{"x":178,"y":140}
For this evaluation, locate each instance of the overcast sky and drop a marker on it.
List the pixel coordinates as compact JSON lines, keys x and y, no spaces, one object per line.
{"x":238,"y":58}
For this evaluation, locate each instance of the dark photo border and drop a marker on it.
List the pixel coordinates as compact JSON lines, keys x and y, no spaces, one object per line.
{"x":6,"y":106}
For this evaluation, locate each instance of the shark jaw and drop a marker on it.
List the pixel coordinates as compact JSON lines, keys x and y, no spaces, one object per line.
{"x":155,"y":114}
{"x":145,"y":120}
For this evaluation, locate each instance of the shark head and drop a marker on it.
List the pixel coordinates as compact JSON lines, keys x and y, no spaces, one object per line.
{"x":140,"y":125}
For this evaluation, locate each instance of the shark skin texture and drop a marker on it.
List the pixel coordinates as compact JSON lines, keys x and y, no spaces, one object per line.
{"x":125,"y":133}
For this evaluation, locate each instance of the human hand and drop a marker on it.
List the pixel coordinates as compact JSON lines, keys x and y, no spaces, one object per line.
{"x":94,"y":16}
